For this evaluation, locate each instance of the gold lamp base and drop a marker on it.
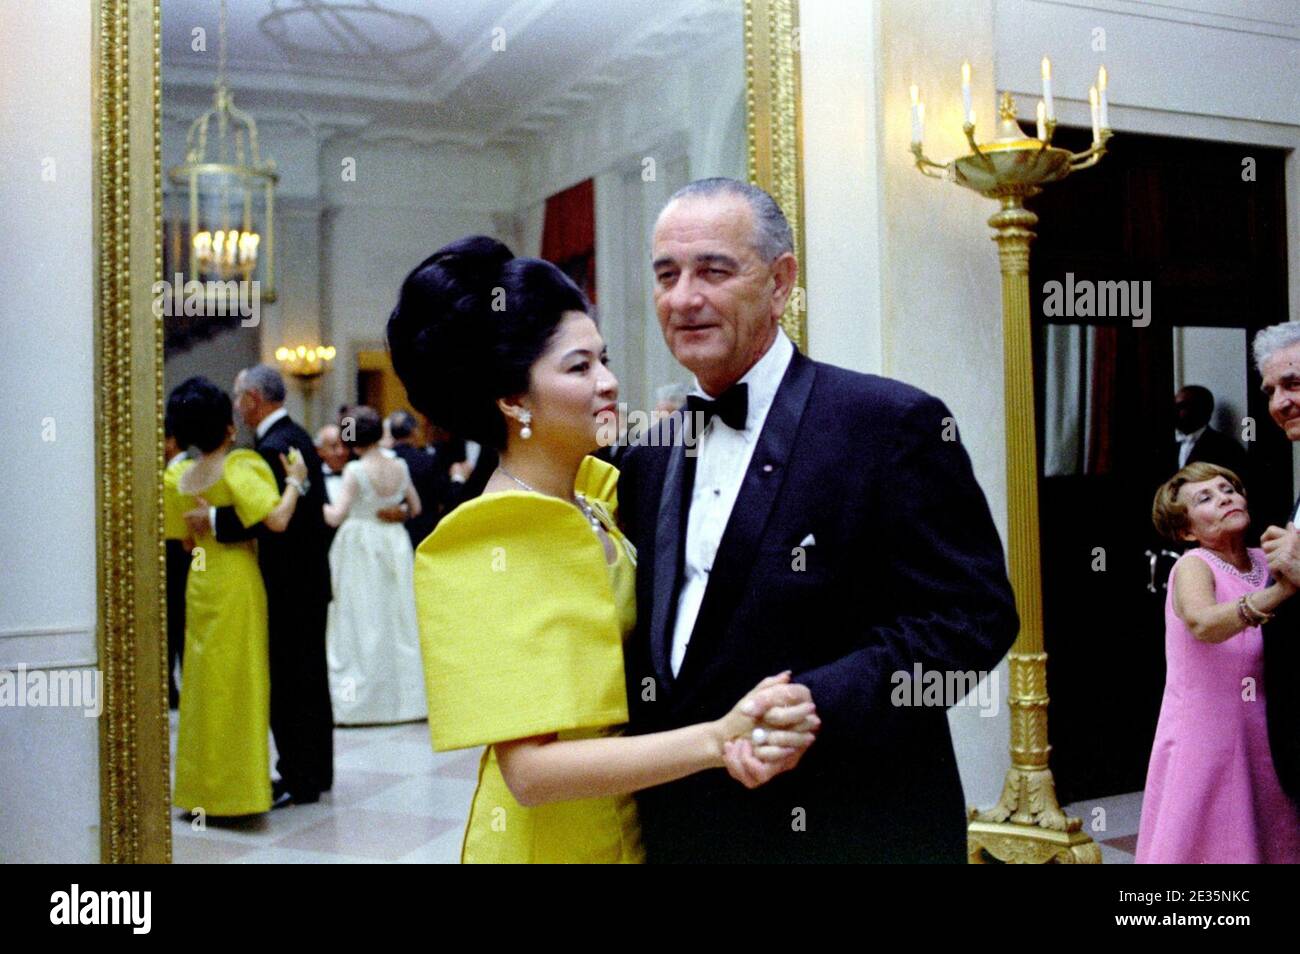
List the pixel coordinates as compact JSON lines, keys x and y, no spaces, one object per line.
{"x":1015,"y":844}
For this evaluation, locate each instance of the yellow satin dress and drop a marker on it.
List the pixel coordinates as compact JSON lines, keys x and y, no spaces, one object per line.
{"x":173,"y":518}
{"x":223,"y":759}
{"x":522,"y":623}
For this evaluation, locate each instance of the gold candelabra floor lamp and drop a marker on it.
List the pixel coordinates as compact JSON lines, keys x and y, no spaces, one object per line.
{"x":1027,"y":824}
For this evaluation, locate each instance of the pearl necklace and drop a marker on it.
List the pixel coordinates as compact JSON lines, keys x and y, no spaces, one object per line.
{"x":577,"y":500}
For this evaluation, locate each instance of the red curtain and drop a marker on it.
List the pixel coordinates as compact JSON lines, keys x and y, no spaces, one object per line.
{"x":569,"y":234}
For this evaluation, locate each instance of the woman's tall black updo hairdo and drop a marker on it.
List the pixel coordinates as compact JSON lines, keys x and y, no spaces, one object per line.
{"x":200,"y":413}
{"x":470,"y":322}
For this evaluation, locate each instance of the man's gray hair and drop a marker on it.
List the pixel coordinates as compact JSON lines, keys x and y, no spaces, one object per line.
{"x":772,"y":234}
{"x":1271,"y":340}
{"x":402,"y":424}
{"x":266,"y":381}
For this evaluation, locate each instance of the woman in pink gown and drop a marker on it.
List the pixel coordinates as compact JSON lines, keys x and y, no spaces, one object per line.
{"x":1212,"y":794}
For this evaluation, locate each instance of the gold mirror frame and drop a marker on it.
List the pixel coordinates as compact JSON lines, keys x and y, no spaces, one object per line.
{"x":135,"y":789}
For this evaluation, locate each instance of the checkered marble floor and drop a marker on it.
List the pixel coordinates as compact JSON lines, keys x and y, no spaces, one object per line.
{"x":1111,"y":822}
{"x":394,"y":800}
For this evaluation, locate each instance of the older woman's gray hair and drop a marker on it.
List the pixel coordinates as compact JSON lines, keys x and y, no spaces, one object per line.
{"x":1271,"y":340}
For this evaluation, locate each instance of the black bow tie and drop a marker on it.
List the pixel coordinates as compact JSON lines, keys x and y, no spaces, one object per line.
{"x":732,"y":407}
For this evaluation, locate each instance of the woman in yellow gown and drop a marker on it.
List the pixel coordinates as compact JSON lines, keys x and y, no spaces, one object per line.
{"x":525,"y":594}
{"x":222,"y":752}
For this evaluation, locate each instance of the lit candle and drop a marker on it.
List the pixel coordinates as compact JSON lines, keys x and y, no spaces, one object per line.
{"x":1096,"y":117}
{"x":1101,"y":90}
{"x":918,"y":116}
{"x":1042,"y":121}
{"x":1047,"y":89}
{"x":965,"y":93}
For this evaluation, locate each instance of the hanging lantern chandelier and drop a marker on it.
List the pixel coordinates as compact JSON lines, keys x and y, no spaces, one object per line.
{"x":228,"y":216}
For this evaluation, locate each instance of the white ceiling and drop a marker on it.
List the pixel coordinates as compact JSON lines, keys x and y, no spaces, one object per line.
{"x":389,"y":67}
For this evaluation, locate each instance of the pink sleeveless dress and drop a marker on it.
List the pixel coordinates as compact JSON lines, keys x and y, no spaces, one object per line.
{"x":1212,"y":794}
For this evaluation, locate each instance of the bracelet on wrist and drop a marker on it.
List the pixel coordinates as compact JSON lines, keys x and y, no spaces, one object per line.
{"x":1259,"y":614}
{"x":1249,"y":615}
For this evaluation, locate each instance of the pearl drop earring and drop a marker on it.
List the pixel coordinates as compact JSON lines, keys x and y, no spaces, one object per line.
{"x":526,"y":419}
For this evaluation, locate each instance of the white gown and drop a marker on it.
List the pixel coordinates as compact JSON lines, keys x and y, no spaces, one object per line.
{"x":372,"y":640}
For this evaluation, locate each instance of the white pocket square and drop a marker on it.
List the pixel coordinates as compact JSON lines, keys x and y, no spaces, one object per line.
{"x":808,"y":541}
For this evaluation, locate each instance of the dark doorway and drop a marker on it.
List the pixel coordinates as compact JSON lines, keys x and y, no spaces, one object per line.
{"x":1181,"y":215}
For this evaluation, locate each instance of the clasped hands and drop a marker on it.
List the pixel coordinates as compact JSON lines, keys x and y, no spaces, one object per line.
{"x":768,"y":731}
{"x":1282,"y":547}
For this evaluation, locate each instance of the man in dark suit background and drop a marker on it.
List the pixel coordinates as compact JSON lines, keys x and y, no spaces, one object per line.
{"x":1277,"y":356}
{"x":295,"y":569}
{"x":827,"y":522}
{"x":431,"y":482}
{"x":1195,"y":440}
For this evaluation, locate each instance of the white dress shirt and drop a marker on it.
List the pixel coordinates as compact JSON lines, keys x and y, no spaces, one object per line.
{"x":333,"y":483}
{"x":723,"y":457}
{"x":1188,"y":441}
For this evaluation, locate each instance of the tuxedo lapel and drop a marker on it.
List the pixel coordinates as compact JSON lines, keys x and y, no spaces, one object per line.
{"x":749,"y":515}
{"x":670,"y":532}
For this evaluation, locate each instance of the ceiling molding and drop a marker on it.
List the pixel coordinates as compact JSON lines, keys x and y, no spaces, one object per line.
{"x":617,"y":69}
{"x":1181,"y":12}
{"x":389,"y":109}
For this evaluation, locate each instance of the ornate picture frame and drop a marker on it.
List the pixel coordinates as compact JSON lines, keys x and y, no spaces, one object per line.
{"x":135,"y":796}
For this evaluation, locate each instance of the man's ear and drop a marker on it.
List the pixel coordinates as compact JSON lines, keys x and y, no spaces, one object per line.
{"x":785,"y":271}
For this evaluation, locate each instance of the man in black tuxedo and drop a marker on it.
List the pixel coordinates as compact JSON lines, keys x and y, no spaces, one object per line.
{"x":826,"y":522}
{"x":432,"y":483}
{"x":1196,"y":441}
{"x":295,"y":569}
{"x":1277,"y":356}
{"x":472,"y":465}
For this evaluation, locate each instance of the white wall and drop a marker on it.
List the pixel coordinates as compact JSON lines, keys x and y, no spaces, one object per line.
{"x":49,"y":757}
{"x":843,"y":183}
{"x":902,"y":277}
{"x":370,"y":250}
{"x":1178,"y":57}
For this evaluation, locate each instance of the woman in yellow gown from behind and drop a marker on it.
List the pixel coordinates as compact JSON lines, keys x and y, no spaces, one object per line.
{"x":223,"y":763}
{"x":526,"y":593}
